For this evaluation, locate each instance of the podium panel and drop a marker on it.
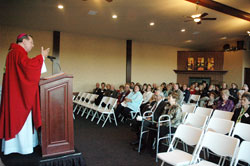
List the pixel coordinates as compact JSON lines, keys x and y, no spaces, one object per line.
{"x":57,"y":119}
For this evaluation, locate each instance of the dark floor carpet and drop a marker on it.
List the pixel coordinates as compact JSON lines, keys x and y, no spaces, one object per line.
{"x":108,"y":146}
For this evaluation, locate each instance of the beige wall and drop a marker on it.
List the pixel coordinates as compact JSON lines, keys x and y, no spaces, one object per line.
{"x":233,"y":63}
{"x":92,"y":60}
{"x":8,"y":35}
{"x":153,"y":63}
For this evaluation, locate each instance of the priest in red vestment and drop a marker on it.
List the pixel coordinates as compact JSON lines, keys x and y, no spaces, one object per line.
{"x":20,"y":95}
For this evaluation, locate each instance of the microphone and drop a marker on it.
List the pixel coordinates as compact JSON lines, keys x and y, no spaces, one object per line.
{"x":51,"y":58}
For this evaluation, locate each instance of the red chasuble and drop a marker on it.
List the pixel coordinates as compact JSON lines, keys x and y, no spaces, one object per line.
{"x":20,"y":92}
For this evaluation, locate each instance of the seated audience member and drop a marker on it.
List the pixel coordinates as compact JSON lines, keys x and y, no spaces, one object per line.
{"x":97,"y":90}
{"x":211,"y":88}
{"x":113,"y":93}
{"x":192,"y":89}
{"x":205,"y":86}
{"x":217,"y":90}
{"x":224,"y":103}
{"x":201,"y":91}
{"x":157,"y":107}
{"x":124,"y":94}
{"x":154,"y":87}
{"x":169,"y":90}
{"x":239,"y":94}
{"x":245,"y":88}
{"x":233,"y":93}
{"x":101,"y":94}
{"x":179,"y":92}
{"x":242,"y":114}
{"x":163,"y":87}
{"x":144,"y":88}
{"x":108,"y":90}
{"x":211,"y":100}
{"x":224,"y":86}
{"x":121,"y":90}
{"x":173,"y":109}
{"x":186,"y":93}
{"x":146,"y":96}
{"x":196,"y":86}
{"x":131,"y":103}
{"x":132,"y":84}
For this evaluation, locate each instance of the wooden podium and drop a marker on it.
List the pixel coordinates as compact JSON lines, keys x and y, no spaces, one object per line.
{"x":57,"y":132}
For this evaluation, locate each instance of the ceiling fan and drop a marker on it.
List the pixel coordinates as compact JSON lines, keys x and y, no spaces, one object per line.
{"x":198,"y":17}
{"x":105,"y":0}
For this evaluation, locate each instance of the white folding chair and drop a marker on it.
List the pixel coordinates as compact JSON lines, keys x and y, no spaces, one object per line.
{"x":196,"y":120}
{"x":188,"y":108}
{"x":108,"y":111}
{"x":86,"y":105}
{"x":93,"y":109}
{"x":194,"y":99}
{"x":221,"y":145}
{"x":204,"y":111}
{"x":242,"y":130}
{"x":222,"y":114}
{"x":84,"y":99}
{"x":222,"y":126}
{"x":243,"y":153}
{"x":190,"y":136}
{"x":136,"y":112}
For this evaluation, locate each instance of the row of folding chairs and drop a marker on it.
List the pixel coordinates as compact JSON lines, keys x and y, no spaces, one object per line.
{"x":191,"y":108}
{"x":104,"y":111}
{"x":220,"y":144}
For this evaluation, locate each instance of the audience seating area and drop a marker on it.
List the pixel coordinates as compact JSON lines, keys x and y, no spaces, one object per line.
{"x":210,"y":130}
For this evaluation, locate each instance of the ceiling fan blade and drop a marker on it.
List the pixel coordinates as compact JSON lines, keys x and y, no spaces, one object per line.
{"x":208,"y":18}
{"x":204,"y":14}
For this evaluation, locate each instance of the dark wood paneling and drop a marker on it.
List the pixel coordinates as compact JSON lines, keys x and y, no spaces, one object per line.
{"x":223,"y":8}
{"x":128,"y":60}
{"x":57,"y":118}
{"x":216,"y":76}
{"x":247,"y":76}
{"x":56,"y":52}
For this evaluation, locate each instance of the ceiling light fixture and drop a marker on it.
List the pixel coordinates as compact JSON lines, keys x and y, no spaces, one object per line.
{"x":114,"y":16}
{"x":188,"y":41}
{"x":196,"y":16}
{"x":223,"y":38}
{"x":183,"y":30}
{"x":152,"y":24}
{"x":60,"y":6}
{"x":197,"y":19}
{"x":248,"y":32}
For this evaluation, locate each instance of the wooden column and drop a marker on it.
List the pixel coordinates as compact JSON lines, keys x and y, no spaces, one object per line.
{"x":128,"y":60}
{"x":56,"y":53}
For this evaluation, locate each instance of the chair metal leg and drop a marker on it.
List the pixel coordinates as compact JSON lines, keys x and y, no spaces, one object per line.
{"x":114,"y":118}
{"x":94,"y":116}
{"x":75,"y":108}
{"x":162,"y":163}
{"x":88,"y":113}
{"x":106,"y":120}
{"x":83,"y":112}
{"x":99,"y":119}
{"x":79,"y":110}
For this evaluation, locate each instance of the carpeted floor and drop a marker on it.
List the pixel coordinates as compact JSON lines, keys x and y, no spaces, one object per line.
{"x":108,"y":146}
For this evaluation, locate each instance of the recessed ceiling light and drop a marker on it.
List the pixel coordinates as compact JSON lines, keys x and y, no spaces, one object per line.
{"x":248,"y":32}
{"x":114,"y":16}
{"x":195,"y":33}
{"x":223,"y":38}
{"x":92,"y":12}
{"x":188,"y":41}
{"x":60,"y":6}
{"x":183,"y":30}
{"x":152,"y":24}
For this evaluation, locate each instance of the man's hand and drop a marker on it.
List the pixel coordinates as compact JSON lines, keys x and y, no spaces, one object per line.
{"x":45,"y":53}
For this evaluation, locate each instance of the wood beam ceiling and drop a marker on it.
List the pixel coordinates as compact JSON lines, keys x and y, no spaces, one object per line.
{"x":222,"y":8}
